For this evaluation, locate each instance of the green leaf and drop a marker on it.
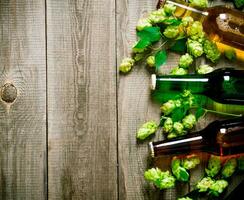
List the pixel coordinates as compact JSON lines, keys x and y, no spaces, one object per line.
{"x":199,"y":112}
{"x":142,"y":44}
{"x":179,"y":46}
{"x":151,"y":34}
{"x":174,"y":22}
{"x":179,"y":113}
{"x":160,"y":58}
{"x":183,"y":174}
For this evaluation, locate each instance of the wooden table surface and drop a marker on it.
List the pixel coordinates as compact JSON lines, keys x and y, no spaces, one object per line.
{"x":67,"y":118}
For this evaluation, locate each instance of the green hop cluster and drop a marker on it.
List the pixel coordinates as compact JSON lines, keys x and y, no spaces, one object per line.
{"x":138,"y":50}
{"x":185,"y":61}
{"x":185,"y":198}
{"x":178,"y":71}
{"x":240,"y":161}
{"x":194,"y":48}
{"x":157,"y":16}
{"x":218,"y":187}
{"x":195,"y":31}
{"x":204,"y":69}
{"x":204,"y":184}
{"x":168,"y":125}
{"x":189,"y":121}
{"x":229,"y":168}
{"x":147,"y":129}
{"x":214,"y":166}
{"x":178,"y":171}
{"x":160,"y":179}
{"x":199,"y":3}
{"x":178,"y":128}
{"x":143,"y":23}
{"x":230,"y":54}
{"x":126,"y":65}
{"x":186,"y":21}
{"x":190,"y":162}
{"x":211,"y":50}
{"x":169,"y":9}
{"x":171,"y":31}
{"x":151,"y":61}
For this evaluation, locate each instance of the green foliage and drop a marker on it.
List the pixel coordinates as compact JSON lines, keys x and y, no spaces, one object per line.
{"x":160,"y":58}
{"x":214,"y":166}
{"x":190,"y":162}
{"x":179,"y":46}
{"x":160,"y":179}
{"x":229,"y":168}
{"x":146,"y":130}
{"x":179,"y":172}
{"x":199,"y":112}
{"x":239,"y":3}
{"x":142,"y":24}
{"x":230,"y":54}
{"x":211,"y":50}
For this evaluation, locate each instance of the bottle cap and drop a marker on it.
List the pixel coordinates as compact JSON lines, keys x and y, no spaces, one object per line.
{"x":151,"y":149}
{"x":153,"y":81}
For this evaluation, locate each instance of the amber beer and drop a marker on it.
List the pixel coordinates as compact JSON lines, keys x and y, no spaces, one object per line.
{"x":223,"y":25}
{"x":221,"y":138}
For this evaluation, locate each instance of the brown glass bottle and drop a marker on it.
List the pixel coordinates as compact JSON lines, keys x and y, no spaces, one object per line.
{"x":219,"y":137}
{"x":223,"y":25}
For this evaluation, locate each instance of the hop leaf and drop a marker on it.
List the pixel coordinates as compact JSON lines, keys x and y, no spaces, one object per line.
{"x":160,"y":58}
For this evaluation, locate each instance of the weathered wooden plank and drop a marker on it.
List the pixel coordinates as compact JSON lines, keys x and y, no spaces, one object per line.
{"x":82,"y":99}
{"x":135,"y":107}
{"x":22,"y":120}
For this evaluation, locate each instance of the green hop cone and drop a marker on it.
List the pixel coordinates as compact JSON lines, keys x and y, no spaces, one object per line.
{"x":178,"y":171}
{"x":186,"y":21}
{"x":126,"y":65}
{"x":204,"y":184}
{"x":168,"y":125}
{"x":199,"y":3}
{"x":185,"y":61}
{"x":143,"y":23}
{"x":190,"y":162}
{"x":168,"y":107}
{"x":178,"y":128}
{"x":185,"y":198}
{"x":189,"y":121}
{"x":195,"y":31}
{"x":171,"y":31}
{"x":211,"y":50}
{"x":194,"y":48}
{"x":178,"y":71}
{"x":214,"y":166}
{"x":146,"y":130}
{"x":169,"y":9}
{"x":172,"y":135}
{"x":230,"y":54}
{"x":204,"y":69}
{"x":218,"y":187}
{"x":151,"y":61}
{"x":229,"y":168}
{"x":157,"y":16}
{"x":160,"y":179}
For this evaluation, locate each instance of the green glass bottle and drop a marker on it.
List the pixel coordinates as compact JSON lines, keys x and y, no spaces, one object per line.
{"x":224,"y":86}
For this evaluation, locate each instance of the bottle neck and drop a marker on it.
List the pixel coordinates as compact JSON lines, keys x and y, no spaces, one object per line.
{"x":179,"y":146}
{"x":198,"y":84}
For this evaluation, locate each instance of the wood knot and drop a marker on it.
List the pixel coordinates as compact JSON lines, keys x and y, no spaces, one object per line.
{"x":8,"y":93}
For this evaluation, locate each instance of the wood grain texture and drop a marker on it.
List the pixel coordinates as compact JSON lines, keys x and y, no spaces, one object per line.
{"x":82,"y":161}
{"x":23,"y":122}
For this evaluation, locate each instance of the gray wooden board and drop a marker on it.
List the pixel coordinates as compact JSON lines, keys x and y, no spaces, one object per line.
{"x":23,"y":122}
{"x":82,"y":138}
